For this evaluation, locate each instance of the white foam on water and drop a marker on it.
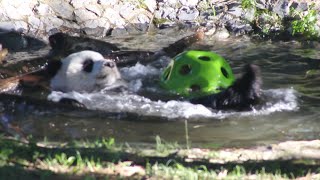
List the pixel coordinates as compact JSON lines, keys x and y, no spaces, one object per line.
{"x":277,"y":100}
{"x":280,"y":100}
{"x":135,"y":74}
{"x":138,"y":71}
{"x":134,"y":104}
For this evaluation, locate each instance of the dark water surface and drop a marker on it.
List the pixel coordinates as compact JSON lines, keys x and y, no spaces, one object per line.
{"x":291,"y":111}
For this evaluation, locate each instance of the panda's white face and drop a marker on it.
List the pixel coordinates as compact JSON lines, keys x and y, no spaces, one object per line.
{"x":85,"y":71}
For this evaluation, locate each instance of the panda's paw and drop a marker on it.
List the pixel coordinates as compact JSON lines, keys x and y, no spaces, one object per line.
{"x":241,"y":95}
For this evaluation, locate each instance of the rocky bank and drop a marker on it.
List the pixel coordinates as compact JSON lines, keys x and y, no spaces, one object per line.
{"x":99,"y":18}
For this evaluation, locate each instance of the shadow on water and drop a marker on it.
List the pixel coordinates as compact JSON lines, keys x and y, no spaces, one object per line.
{"x":290,"y":112}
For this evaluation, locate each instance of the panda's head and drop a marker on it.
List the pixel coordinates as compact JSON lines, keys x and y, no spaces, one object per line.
{"x":83,"y":71}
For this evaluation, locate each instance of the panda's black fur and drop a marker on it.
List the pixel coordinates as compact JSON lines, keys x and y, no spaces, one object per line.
{"x":242,"y":95}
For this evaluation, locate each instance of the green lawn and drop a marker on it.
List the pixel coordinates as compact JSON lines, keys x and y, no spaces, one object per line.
{"x":105,"y":159}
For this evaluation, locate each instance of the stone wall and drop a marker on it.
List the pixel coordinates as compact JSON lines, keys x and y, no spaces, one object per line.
{"x":99,"y":18}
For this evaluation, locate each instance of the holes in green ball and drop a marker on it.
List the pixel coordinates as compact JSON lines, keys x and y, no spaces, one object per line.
{"x":166,"y":74}
{"x":185,"y":69}
{"x":204,"y":58}
{"x":195,"y":88}
{"x":224,"y":72}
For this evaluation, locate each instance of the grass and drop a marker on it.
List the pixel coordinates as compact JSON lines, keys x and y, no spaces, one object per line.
{"x":305,"y":24}
{"x":248,"y":4}
{"x":179,"y":171}
{"x":104,"y":158}
{"x":142,"y":5}
{"x":158,"y":21}
{"x":163,"y":147}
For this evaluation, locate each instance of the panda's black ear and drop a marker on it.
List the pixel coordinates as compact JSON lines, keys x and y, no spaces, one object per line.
{"x":53,"y":67}
{"x":87,"y":65}
{"x":57,"y":41}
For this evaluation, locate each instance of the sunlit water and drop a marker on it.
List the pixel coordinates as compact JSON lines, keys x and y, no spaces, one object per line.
{"x":290,"y":111}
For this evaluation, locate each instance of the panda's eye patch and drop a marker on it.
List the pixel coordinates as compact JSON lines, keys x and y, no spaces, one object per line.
{"x":87,"y":65}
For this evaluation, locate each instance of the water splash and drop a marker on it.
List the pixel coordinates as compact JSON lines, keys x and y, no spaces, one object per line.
{"x":277,"y":100}
{"x":138,"y":73}
{"x":142,"y":77}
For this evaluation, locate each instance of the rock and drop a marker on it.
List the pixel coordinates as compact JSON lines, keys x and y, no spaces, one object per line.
{"x":136,"y":28}
{"x":119,"y":32}
{"x":151,"y":5}
{"x":190,"y":3}
{"x":261,"y":4}
{"x":222,"y":33}
{"x":166,"y":13}
{"x":96,"y":28}
{"x":127,"y":11}
{"x":71,"y":24}
{"x":82,"y":15}
{"x":96,"y":23}
{"x":35,"y":23}
{"x":12,"y":16}
{"x":114,"y":17}
{"x":43,"y":9}
{"x":51,"y":22}
{"x":77,"y":4}
{"x":236,"y":11}
{"x":303,"y":6}
{"x":171,"y":3}
{"x":108,"y":2}
{"x":95,"y":32}
{"x":142,"y":19}
{"x":211,"y":30}
{"x":249,"y":14}
{"x":62,"y":9}
{"x":166,"y":24}
{"x":281,"y":7}
{"x":17,"y":11}
{"x":239,"y":27}
{"x":97,"y":10}
{"x":18,"y":26}
{"x":3,"y":15}
{"x":157,"y":14}
{"x":187,"y":14}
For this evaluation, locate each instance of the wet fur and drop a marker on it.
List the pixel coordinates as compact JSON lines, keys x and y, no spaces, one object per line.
{"x":242,"y":95}
{"x":85,"y":71}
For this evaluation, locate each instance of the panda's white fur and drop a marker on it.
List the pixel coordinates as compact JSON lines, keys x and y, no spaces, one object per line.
{"x":72,"y":77}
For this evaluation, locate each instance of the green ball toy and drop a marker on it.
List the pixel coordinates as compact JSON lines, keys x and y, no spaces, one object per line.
{"x":197,"y":73}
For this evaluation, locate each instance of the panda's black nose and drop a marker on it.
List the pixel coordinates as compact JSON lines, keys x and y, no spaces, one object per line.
{"x":109,"y":64}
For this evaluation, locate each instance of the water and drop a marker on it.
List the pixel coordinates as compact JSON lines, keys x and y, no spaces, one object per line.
{"x":290,"y":112}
